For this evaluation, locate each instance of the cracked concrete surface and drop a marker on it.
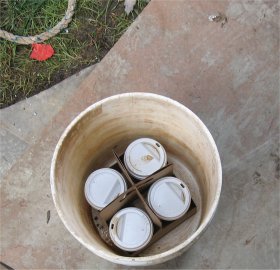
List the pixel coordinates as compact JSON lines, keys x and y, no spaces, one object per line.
{"x":229,"y":76}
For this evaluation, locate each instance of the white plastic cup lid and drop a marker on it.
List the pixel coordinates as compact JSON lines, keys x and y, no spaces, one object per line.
{"x":143,"y":157}
{"x":169,"y":197}
{"x":131,"y":229}
{"x":103,"y":186}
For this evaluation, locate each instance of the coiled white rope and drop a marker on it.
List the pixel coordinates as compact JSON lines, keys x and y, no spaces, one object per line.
{"x":46,"y":35}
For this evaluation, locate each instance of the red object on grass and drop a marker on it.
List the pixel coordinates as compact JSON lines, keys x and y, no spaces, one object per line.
{"x":41,"y":52}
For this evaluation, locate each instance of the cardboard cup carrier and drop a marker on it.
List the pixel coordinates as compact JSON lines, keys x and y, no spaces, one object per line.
{"x":127,"y":229}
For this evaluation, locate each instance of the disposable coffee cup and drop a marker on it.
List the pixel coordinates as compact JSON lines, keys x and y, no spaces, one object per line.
{"x":103,"y":186}
{"x":169,"y":198}
{"x":131,"y":229}
{"x":143,"y":157}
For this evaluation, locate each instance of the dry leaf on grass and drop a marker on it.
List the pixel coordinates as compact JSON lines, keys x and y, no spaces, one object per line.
{"x":129,"y":5}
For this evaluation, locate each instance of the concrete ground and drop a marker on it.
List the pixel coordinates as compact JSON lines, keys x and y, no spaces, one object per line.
{"x":228,"y":75}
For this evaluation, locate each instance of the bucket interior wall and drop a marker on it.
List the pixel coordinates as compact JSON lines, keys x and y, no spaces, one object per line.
{"x":88,"y":144}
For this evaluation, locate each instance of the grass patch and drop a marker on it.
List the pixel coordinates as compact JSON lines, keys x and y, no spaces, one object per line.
{"x":95,"y":28}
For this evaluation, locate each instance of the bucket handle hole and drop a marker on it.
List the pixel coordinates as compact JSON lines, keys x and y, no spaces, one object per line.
{"x":157,"y":144}
{"x":112,"y":226}
{"x":182,"y":186}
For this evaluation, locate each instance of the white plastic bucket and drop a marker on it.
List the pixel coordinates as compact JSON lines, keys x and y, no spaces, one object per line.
{"x":86,"y":145}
